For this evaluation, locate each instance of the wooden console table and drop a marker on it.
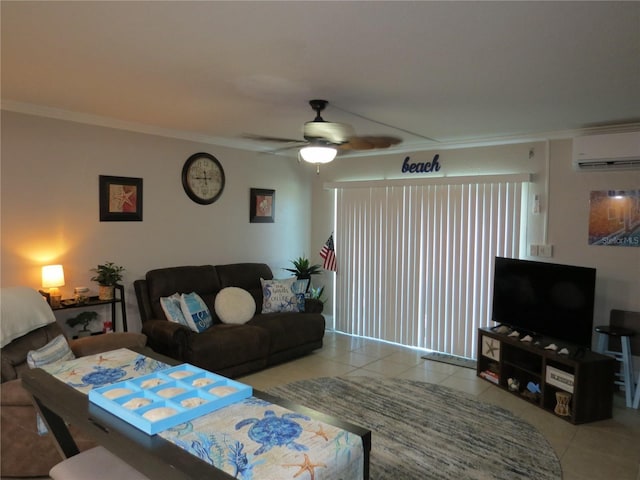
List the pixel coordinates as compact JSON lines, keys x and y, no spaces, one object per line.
{"x":152,"y":455}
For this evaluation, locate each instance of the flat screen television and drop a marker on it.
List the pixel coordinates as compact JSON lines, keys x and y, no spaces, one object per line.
{"x":545,"y":299}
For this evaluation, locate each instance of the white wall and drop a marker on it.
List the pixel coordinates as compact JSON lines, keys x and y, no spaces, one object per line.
{"x":563,"y":221}
{"x":49,"y":180}
{"x":49,"y":205}
{"x":618,"y":268}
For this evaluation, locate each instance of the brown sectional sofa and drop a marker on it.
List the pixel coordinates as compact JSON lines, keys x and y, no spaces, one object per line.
{"x":230,"y":350}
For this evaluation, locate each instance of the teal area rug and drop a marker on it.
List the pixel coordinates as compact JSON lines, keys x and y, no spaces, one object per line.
{"x":450,"y":359}
{"x":424,"y":431}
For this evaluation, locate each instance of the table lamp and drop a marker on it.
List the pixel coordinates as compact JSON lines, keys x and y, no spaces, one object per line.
{"x":52,"y":278}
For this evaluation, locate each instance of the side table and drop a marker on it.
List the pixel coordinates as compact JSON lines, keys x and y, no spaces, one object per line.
{"x":93,"y":301}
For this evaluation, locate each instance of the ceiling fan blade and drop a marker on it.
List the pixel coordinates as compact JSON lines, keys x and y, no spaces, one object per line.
{"x":369,"y":142}
{"x":263,"y":138}
{"x":275,"y":151}
{"x":332,"y":132}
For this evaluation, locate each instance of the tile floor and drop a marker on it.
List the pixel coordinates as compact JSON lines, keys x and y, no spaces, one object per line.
{"x":605,"y":450}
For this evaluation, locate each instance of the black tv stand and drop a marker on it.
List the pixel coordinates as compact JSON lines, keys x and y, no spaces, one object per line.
{"x":581,"y":378}
{"x":578,"y":353}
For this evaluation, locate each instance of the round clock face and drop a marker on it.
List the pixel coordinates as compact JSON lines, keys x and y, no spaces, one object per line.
{"x":203,"y":178}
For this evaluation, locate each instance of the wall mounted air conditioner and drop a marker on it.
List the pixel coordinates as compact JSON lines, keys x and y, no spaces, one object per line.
{"x":613,"y":151}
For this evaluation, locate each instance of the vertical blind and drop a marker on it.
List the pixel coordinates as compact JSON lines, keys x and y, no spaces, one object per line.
{"x":416,"y":261}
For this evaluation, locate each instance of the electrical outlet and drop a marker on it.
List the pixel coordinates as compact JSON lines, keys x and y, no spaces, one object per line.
{"x":533,"y":250}
{"x":545,"y":251}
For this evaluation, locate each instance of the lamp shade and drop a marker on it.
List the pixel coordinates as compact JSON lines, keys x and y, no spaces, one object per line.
{"x":52,"y":276}
{"x":318,"y":154}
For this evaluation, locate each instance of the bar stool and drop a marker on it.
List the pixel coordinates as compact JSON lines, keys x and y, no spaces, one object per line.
{"x":624,"y":357}
{"x":95,"y":464}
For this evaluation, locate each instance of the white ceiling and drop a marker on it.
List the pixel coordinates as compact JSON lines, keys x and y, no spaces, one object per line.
{"x":456,"y":72}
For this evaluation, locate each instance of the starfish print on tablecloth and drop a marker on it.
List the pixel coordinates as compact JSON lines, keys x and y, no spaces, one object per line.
{"x":307,"y":466}
{"x":321,"y":433}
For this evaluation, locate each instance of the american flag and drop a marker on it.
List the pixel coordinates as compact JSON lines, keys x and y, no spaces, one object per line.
{"x":328,"y":254}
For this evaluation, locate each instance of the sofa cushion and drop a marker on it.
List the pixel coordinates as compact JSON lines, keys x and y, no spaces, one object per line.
{"x":92,"y":345}
{"x":290,"y":330}
{"x":224,"y":346}
{"x":246,"y":276}
{"x":12,"y":394}
{"x":163,"y":282}
{"x":172,"y":309}
{"x":57,"y":350}
{"x":235,"y":305}
{"x":283,"y":295}
{"x":195,"y":312}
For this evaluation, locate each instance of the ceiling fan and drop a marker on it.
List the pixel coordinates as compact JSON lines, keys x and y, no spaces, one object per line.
{"x":323,"y":139}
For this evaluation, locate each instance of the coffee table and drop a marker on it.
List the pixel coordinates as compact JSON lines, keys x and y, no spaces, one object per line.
{"x":152,"y":455}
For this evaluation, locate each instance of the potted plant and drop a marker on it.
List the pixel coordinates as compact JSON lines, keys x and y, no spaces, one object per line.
{"x":107,"y":276}
{"x":316,"y":294}
{"x":303,"y":269}
{"x":83,"y":319}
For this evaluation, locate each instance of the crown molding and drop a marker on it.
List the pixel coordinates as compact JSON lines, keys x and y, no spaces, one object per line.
{"x":240,"y":144}
{"x":109,"y":122}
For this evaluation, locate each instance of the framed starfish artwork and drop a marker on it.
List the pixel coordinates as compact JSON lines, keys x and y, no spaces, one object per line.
{"x":120,"y":199}
{"x":491,"y":348}
{"x":262,"y":206}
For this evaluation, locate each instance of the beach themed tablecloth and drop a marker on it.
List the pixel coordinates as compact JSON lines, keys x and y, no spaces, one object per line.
{"x":93,"y":371}
{"x":251,"y":439}
{"x":255,"y":439}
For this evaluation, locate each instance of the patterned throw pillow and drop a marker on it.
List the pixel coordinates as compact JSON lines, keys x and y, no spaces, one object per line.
{"x":299,"y":287}
{"x":57,"y":350}
{"x":172,"y":310}
{"x":283,"y":295}
{"x":234,"y":305}
{"x":195,"y":312}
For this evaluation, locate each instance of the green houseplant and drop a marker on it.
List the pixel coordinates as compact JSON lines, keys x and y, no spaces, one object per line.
{"x":317,"y":294}
{"x":303,"y":269}
{"x":107,"y":275}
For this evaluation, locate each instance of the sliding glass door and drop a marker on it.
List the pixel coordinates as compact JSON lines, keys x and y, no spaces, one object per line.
{"x":416,"y":261}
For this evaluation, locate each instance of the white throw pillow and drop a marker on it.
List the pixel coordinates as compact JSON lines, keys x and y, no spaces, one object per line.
{"x":234,"y":305}
{"x":172,"y":310}
{"x":282,"y":295}
{"x":57,"y":350}
{"x":195,"y":312}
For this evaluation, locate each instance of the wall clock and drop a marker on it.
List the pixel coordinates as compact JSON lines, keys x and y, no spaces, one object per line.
{"x":203,"y":178}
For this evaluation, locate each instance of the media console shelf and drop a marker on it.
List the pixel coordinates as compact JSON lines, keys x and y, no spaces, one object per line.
{"x":577,"y":386}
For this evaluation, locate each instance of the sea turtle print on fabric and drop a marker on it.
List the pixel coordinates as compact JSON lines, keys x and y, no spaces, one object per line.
{"x":273,"y":431}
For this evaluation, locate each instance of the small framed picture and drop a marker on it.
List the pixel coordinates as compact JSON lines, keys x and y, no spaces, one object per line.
{"x":262,"y":206}
{"x":120,"y":199}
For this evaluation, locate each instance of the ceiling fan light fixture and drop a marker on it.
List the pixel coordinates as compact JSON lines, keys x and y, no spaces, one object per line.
{"x":318,"y":153}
